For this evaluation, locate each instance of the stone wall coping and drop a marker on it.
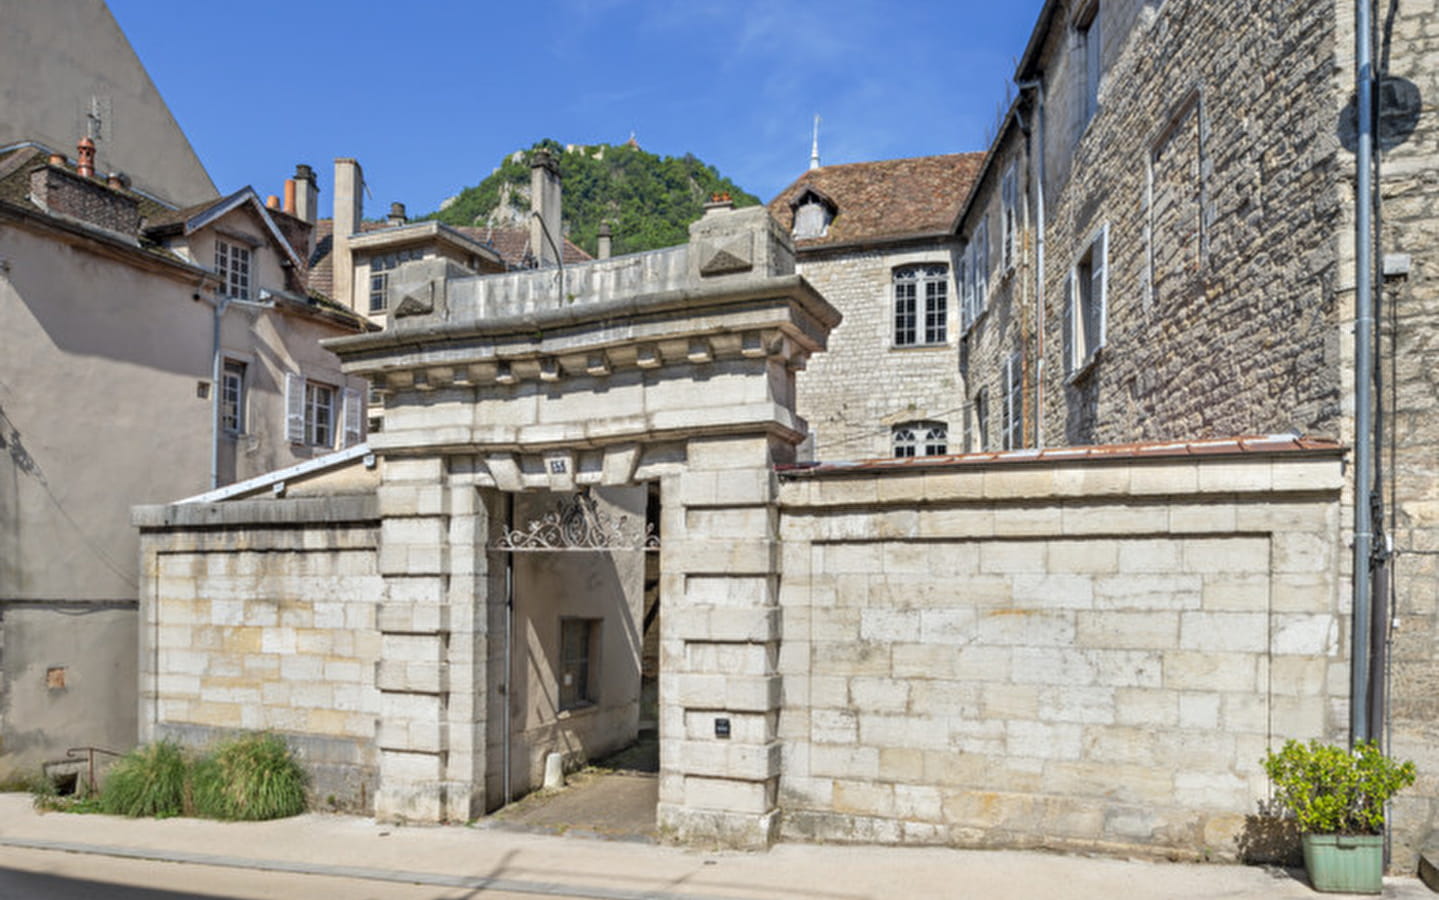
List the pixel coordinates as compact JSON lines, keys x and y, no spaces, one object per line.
{"x":271,"y":513}
{"x":689,"y":299}
{"x":1159,"y":451}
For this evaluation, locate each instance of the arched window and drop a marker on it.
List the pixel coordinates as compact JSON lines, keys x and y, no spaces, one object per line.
{"x":920,"y":439}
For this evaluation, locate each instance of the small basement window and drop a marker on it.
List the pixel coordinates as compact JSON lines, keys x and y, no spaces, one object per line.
{"x":579,"y":658}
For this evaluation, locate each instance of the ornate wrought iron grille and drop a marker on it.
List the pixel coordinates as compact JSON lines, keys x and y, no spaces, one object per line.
{"x":577,"y":523}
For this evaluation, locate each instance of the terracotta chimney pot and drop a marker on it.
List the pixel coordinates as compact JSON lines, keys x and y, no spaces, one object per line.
{"x":85,"y":152}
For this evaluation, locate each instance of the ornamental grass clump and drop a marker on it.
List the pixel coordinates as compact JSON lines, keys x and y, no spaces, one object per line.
{"x":252,"y":777}
{"x":147,"y":781}
{"x":1331,"y":790}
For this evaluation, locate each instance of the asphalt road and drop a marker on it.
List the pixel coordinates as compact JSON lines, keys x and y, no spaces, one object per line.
{"x":48,"y":875}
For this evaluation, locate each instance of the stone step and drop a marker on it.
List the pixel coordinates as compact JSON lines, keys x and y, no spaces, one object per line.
{"x":1429,"y":863}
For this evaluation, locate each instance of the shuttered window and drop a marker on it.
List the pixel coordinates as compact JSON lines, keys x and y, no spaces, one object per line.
{"x":1085,"y":306}
{"x":315,"y":413}
{"x":1012,"y":404}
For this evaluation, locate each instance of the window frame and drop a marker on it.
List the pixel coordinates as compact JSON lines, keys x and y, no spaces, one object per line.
{"x":1086,"y":306}
{"x":380,"y":266}
{"x":345,"y":411}
{"x":1009,"y":217}
{"x":319,"y":397}
{"x":1090,"y":38}
{"x":233,"y":412}
{"x":1012,"y":403}
{"x":974,"y":257}
{"x":920,"y":437}
{"x":578,"y":656}
{"x":981,"y":419}
{"x":234,"y":265}
{"x":920,"y":308}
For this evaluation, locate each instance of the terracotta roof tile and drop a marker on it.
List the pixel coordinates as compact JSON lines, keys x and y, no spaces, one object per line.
{"x":891,"y":198}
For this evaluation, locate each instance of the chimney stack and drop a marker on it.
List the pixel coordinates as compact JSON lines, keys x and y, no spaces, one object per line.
{"x":118,"y":181}
{"x":85,"y":153}
{"x":397,"y":215}
{"x":307,"y":196}
{"x":272,"y":202}
{"x":289,"y":206}
{"x":720,"y":202}
{"x":545,"y":207}
{"x":349,"y":207}
{"x":603,"y":241}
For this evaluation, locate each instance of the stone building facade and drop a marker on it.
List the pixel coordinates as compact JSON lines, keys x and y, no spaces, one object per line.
{"x":877,"y":239}
{"x":1186,"y":260}
{"x":961,"y":650}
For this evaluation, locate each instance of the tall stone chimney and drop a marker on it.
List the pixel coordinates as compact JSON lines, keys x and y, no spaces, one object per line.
{"x":602,"y":242}
{"x":349,"y":208}
{"x":307,"y":195}
{"x":545,"y":200}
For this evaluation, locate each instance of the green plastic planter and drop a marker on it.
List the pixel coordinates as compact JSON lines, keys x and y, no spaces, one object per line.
{"x":1345,"y":863}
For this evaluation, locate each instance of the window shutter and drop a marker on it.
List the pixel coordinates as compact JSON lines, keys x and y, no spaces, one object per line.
{"x":354,"y":417}
{"x":1101,"y":283}
{"x":965,"y":313}
{"x":1068,"y":326}
{"x":981,"y":266}
{"x":294,"y":408}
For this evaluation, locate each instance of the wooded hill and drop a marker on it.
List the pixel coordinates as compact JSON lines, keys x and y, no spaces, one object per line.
{"x":648,"y":200}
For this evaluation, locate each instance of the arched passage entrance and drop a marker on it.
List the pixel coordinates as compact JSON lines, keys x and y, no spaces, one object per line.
{"x":673,"y":369}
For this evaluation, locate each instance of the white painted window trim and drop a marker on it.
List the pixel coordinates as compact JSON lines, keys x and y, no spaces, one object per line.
{"x":930,"y":283}
{"x":235,"y":266}
{"x":1012,"y":405}
{"x":1080,"y":357}
{"x":346,"y":413}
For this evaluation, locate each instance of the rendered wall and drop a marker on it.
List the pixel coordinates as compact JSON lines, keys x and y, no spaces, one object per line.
{"x":1072,"y":656}
{"x":606,"y":586}
{"x":56,"y":61}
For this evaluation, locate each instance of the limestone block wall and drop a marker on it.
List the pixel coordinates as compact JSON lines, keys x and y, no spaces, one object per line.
{"x":1215,"y":161}
{"x":851,"y":395}
{"x":1409,"y":353}
{"x":720,"y":690}
{"x":1069,"y":655}
{"x":269,"y":624}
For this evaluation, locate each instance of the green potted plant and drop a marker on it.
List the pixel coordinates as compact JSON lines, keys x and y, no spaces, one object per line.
{"x":1337,"y":798}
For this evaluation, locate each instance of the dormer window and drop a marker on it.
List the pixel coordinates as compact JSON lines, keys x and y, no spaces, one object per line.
{"x":232,"y":264}
{"x":812,"y":214}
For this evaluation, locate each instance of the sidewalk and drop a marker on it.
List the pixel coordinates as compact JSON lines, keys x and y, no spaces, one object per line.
{"x":493,"y":858}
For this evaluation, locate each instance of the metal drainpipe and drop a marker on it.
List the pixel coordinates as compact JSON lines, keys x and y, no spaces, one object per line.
{"x":1037,"y":85}
{"x":1363,"y":372}
{"x":509,"y":630}
{"x":219,"y":307}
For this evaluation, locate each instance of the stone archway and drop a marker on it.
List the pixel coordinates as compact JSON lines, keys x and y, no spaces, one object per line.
{"x":674,"y":367}
{"x":576,"y":604}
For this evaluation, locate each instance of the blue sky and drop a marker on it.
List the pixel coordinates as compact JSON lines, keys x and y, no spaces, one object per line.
{"x":429,"y":95}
